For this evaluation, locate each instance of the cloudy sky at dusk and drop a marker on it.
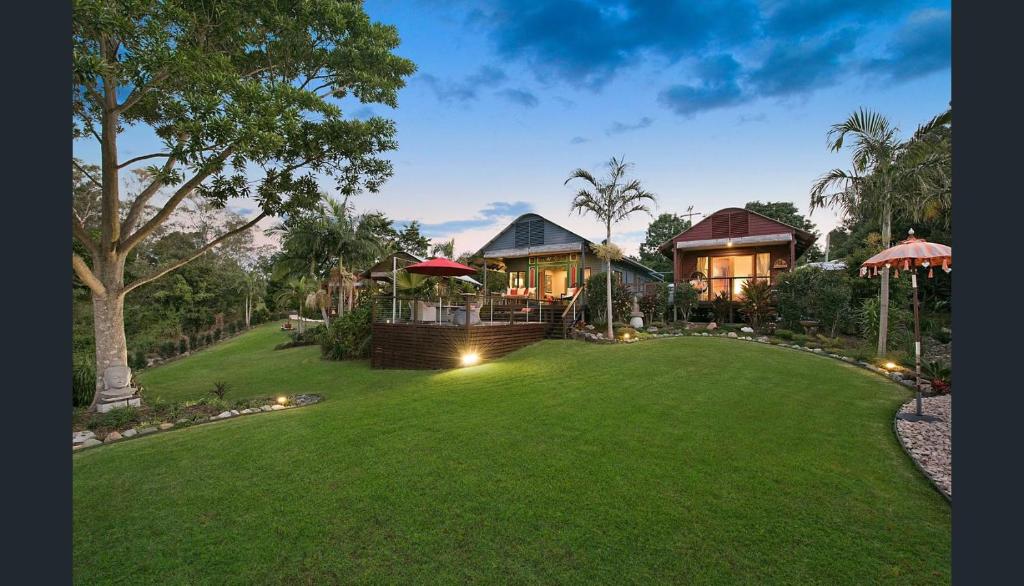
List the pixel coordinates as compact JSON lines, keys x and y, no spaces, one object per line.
{"x":715,"y":102}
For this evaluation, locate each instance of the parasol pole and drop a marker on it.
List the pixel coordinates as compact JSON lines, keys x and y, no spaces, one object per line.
{"x":394,"y":286}
{"x":917,"y":342}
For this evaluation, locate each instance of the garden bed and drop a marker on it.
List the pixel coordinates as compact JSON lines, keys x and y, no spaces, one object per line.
{"x":89,"y":429}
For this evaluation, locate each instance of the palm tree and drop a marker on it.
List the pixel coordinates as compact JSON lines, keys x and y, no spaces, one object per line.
{"x":294,"y":294}
{"x":880,"y":179}
{"x":351,"y":239}
{"x":927,"y":171}
{"x":445,"y":249}
{"x":611,"y":201}
{"x":305,"y":247}
{"x":319,"y":299}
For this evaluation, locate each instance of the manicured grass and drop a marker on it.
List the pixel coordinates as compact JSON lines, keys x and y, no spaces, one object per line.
{"x":675,"y":460}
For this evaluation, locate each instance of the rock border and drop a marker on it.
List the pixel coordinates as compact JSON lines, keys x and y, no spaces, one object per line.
{"x":81,"y":440}
{"x":903,"y":377}
{"x":913,"y":457}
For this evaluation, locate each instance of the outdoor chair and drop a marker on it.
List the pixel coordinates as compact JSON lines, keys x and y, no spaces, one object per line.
{"x":423,"y":311}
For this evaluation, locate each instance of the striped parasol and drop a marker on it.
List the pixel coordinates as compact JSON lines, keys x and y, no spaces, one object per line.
{"x":910,"y":254}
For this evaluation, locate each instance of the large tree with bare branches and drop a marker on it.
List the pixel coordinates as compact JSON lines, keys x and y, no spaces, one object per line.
{"x":246,"y":99}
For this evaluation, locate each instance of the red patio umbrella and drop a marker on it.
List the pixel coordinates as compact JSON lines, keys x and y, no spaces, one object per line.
{"x":909,"y":255}
{"x":441,"y":267}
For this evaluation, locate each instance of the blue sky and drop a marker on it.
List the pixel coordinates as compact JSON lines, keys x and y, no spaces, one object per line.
{"x":715,"y":102}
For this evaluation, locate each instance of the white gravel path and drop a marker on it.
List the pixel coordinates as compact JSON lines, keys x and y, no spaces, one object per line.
{"x":929,"y":443}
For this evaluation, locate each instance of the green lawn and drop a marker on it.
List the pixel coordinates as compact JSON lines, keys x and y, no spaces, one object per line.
{"x":674,"y":460}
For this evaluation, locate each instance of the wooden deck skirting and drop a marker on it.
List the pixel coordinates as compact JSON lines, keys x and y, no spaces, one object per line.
{"x":429,"y":346}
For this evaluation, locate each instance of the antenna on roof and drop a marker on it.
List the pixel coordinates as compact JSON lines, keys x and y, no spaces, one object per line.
{"x":690,"y":213}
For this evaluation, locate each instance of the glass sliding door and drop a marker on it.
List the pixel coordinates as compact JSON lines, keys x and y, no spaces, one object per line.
{"x":727,"y":274}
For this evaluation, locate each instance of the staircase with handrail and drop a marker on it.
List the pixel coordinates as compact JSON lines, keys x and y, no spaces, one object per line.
{"x":571,"y":311}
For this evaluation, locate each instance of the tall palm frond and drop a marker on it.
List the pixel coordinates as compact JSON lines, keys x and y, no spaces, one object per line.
{"x":445,"y":249}
{"x":610,"y":200}
{"x":888,"y":178}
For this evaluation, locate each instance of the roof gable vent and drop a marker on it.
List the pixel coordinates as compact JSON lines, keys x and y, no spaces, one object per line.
{"x":738,"y":224}
{"x":720,"y":226}
{"x":529,"y":233}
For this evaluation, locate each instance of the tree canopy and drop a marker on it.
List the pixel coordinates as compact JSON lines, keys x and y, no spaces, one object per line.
{"x":664,"y":227}
{"x":247,"y":99}
{"x":787,"y":213}
{"x":412,"y":241}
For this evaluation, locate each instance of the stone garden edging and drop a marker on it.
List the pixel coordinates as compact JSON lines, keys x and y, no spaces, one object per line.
{"x":906,"y":379}
{"x":87,"y":439}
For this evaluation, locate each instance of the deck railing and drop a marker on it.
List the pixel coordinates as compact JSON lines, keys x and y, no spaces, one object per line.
{"x":443,"y":311}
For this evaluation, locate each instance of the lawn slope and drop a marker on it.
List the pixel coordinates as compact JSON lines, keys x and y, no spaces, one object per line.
{"x":684,"y":459}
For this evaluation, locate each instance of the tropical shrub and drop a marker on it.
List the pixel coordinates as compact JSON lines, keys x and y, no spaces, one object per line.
{"x":182,"y":346}
{"x":259,"y":315}
{"x":306,"y":337}
{"x":220,"y":389}
{"x":756,"y":302}
{"x":939,"y":373}
{"x":216,"y":334}
{"x":685,"y":299}
{"x":901,"y":325}
{"x":622,"y":300}
{"x":784,"y":334}
{"x":83,"y":382}
{"x":654,"y":304}
{"x":814,"y":294}
{"x":167,"y":349}
{"x":349,"y":336}
{"x":138,"y":360}
{"x":721,"y":307}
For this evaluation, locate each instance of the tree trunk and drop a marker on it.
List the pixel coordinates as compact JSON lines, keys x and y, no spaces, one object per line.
{"x":248,"y":311}
{"x":341,"y":286}
{"x":608,"y":285}
{"x":883,"y":305}
{"x":108,"y":328}
{"x":327,"y":319}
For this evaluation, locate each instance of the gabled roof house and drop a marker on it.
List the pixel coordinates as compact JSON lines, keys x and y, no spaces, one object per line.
{"x":731,"y":246}
{"x":541,"y":254}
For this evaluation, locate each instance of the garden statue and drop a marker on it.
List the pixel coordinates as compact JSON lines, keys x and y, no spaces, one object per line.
{"x":636,"y":317}
{"x":118,"y":391}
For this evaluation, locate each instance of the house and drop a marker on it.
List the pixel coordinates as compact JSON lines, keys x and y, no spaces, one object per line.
{"x":539,"y":253}
{"x":731,"y":246}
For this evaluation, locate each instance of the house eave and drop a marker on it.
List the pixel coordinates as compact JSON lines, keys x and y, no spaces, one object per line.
{"x":532,"y":250}
{"x":736,"y":242}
